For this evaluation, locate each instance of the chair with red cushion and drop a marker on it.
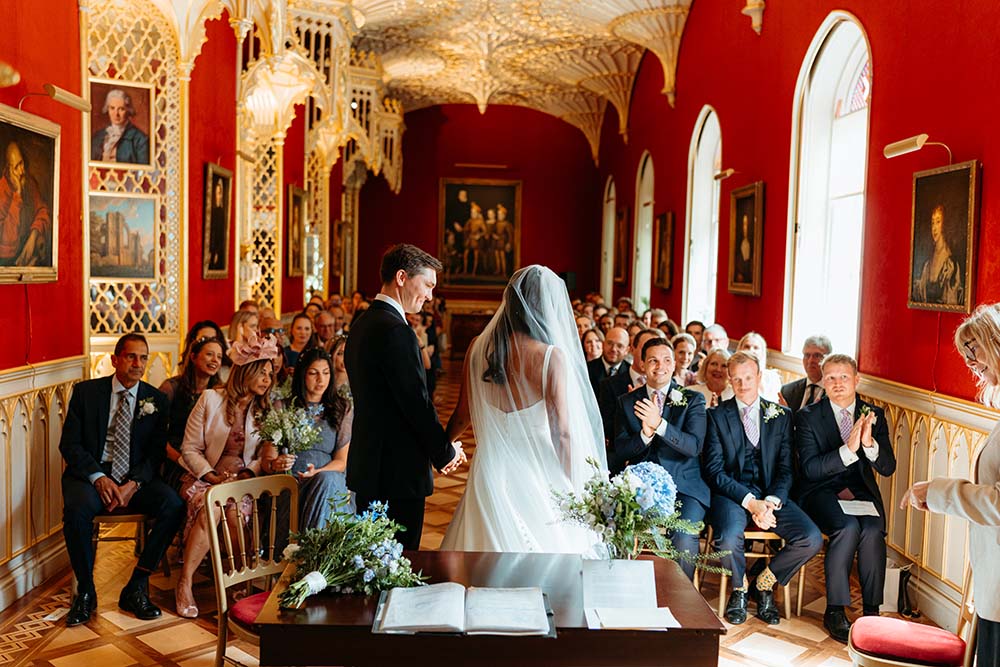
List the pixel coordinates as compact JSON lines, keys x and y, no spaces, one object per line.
{"x":880,"y":641}
{"x":253,"y":557}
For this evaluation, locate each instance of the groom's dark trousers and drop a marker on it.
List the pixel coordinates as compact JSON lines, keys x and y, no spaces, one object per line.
{"x":396,"y":433}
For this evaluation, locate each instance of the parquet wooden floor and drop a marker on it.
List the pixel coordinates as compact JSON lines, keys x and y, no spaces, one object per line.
{"x":32,"y":631}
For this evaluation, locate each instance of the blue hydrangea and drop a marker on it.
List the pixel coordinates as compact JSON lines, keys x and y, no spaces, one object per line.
{"x":657,"y":482}
{"x":359,"y":562}
{"x":368,"y":575}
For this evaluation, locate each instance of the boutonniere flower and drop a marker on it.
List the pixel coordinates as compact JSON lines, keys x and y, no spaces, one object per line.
{"x":771,"y":410}
{"x":677,"y":397}
{"x":147,"y":406}
{"x":866,"y":410}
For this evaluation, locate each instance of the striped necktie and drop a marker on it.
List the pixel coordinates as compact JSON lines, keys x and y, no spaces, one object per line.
{"x":846,"y":424}
{"x":121,"y":428}
{"x":750,"y":426}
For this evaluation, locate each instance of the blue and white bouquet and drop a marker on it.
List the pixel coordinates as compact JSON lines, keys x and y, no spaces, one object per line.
{"x":291,"y":429}
{"x":350,"y":554}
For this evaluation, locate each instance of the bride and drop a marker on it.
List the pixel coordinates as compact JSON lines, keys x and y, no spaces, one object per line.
{"x":526,"y":393}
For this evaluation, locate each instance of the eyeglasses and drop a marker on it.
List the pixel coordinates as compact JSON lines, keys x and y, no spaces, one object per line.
{"x":970,"y":350}
{"x":272,"y":331}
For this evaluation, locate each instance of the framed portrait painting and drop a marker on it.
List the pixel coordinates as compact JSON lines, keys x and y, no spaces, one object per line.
{"x":29,"y":197}
{"x":218,"y":207}
{"x":621,"y":244}
{"x":123,"y":236}
{"x":295,"y":216}
{"x":479,"y":233}
{"x":943,"y":237}
{"x":746,"y":227}
{"x":121,"y":124}
{"x":663,"y":247}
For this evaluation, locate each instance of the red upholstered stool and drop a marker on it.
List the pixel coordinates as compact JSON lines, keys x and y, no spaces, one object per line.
{"x":245,"y":611}
{"x":906,"y":642}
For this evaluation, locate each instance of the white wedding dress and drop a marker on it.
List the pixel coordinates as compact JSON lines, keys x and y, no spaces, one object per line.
{"x":508,"y":504}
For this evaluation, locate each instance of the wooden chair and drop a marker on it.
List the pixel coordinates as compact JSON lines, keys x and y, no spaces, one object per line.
{"x":120,"y":516}
{"x":252,"y":557}
{"x":881,"y":641}
{"x":748,"y":536}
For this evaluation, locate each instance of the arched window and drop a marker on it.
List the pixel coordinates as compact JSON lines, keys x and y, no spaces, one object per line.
{"x":701,"y":258}
{"x":828,"y":171}
{"x":642,"y":269}
{"x":608,"y":242}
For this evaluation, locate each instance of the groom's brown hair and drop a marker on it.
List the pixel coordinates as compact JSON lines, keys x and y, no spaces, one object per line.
{"x":406,"y":257}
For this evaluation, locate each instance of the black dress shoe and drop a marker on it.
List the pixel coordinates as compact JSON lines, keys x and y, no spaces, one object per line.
{"x":736,"y":608}
{"x":136,"y":601}
{"x":83,"y":606}
{"x":767,"y":610}
{"x":837,"y":625}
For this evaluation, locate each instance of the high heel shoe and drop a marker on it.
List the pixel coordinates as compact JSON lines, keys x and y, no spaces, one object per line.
{"x":185,"y":611}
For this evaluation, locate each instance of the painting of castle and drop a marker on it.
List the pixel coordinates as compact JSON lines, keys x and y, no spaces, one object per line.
{"x":122,"y":236}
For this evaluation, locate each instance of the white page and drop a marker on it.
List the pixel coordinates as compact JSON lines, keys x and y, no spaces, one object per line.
{"x":509,"y":611}
{"x":858,"y":507}
{"x":618,"y":583}
{"x":434,"y":608}
{"x":637,"y":618}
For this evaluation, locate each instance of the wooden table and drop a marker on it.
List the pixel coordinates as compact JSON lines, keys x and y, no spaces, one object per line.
{"x":336,"y":630}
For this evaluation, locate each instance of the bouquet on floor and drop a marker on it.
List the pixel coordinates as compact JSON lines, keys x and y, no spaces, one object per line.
{"x":351,"y":554}
{"x":290,"y":428}
{"x":633,"y":512}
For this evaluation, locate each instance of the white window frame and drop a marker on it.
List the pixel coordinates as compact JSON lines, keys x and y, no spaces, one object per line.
{"x":707,"y":113}
{"x":608,"y":242}
{"x":642,"y":234}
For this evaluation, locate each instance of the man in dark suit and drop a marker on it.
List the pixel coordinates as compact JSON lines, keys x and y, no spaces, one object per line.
{"x":665,"y":423}
{"x":397,"y":435}
{"x":841,"y":442}
{"x":748,"y":465}
{"x":113,"y":441}
{"x":619,"y":384}
{"x":808,"y":390}
{"x":612,"y":359}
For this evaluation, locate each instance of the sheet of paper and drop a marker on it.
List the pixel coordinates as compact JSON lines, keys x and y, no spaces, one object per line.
{"x":434,"y":608}
{"x":508,"y":611}
{"x":619,"y":583}
{"x":637,"y":618}
{"x":858,"y":507}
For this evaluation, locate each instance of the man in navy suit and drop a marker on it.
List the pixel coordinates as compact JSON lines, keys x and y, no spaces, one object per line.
{"x":620,"y":384}
{"x":113,"y":441}
{"x":748,"y":465}
{"x":841,"y":442}
{"x":665,"y":423}
{"x":612,"y":359}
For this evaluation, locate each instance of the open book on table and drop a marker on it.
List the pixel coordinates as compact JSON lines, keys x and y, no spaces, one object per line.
{"x":450,"y":607}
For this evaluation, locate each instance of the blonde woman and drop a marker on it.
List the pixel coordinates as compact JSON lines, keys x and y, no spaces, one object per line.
{"x":978,"y":340}
{"x":770,"y":381}
{"x":713,"y":378}
{"x":244,"y":323}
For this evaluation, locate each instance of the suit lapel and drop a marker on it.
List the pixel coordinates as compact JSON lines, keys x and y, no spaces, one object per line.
{"x":766,"y":455}
{"x":737,"y":435}
{"x":829,"y":423}
{"x":103,"y":399}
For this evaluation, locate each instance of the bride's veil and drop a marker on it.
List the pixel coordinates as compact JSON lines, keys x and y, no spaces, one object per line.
{"x":548,"y":439}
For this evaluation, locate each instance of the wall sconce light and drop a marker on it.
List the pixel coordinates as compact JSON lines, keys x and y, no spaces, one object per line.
{"x":8,"y":75}
{"x":724,"y":174}
{"x":62,"y":96}
{"x":910,"y":144}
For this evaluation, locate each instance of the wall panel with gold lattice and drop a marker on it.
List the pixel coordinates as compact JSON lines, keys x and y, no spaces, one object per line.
{"x":265,"y":212}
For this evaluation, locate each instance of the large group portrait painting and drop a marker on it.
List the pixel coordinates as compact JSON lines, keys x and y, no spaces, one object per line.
{"x":479,"y":232}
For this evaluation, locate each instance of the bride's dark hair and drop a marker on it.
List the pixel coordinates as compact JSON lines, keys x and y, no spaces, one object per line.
{"x":521,"y":302}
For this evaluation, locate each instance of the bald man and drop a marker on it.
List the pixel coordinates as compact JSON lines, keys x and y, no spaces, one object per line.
{"x":25,"y":221}
{"x":612,"y":359}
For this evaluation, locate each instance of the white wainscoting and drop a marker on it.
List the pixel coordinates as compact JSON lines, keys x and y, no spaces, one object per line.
{"x":33,"y":402}
{"x":933,"y":436}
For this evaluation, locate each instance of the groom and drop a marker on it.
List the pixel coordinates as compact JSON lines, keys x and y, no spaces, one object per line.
{"x":397,"y":436}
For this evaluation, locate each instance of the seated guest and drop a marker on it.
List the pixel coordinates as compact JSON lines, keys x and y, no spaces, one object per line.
{"x":606,"y":323}
{"x":713,"y":378}
{"x":684,"y":347}
{"x":312,"y":309}
{"x":206,"y":329}
{"x":593,"y":344}
{"x":339,"y":320}
{"x":623,"y":304}
{"x":664,"y":423}
{"x":320,"y":470}
{"x":669,"y":327}
{"x":250,"y":305}
{"x":200,"y":372}
{"x":696,"y":329}
{"x":748,"y":465}
{"x":326,"y":329}
{"x":341,"y":385}
{"x":646,"y":318}
{"x":806,"y":391}
{"x":301,"y":338}
{"x":599,"y":312}
{"x":334,"y":300}
{"x":220,"y":444}
{"x":243,"y":323}
{"x":271,"y":326}
{"x":621,"y":383}
{"x":583,"y":325}
{"x":612,"y":359}
{"x":712,"y":338}
{"x":657,"y":316}
{"x":113,"y":443}
{"x":841,"y":442}
{"x":623,"y":319}
{"x":755,"y":344}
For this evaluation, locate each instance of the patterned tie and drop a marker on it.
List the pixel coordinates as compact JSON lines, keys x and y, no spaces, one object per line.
{"x":715,"y":400}
{"x":658,"y":396}
{"x":640,"y":381}
{"x":120,"y":442}
{"x":846,"y":424}
{"x":750,"y":426}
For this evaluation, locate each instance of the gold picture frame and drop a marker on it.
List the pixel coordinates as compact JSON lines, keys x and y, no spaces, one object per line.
{"x":746,"y":231}
{"x":218,"y":200}
{"x":663,"y":247}
{"x":136,"y":148}
{"x":943,"y":226}
{"x":122,"y":226}
{"x":296,"y":214}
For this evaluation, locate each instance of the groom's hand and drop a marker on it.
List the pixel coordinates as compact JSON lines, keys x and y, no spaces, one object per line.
{"x":457,"y":461}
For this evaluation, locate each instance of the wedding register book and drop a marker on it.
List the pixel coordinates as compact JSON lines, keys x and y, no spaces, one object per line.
{"x":452,"y":608}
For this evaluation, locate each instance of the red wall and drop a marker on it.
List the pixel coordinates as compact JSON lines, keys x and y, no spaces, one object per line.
{"x":292,"y":289}
{"x":933,"y":71}
{"x":45,"y":322}
{"x":560,"y":192}
{"x":213,"y":139}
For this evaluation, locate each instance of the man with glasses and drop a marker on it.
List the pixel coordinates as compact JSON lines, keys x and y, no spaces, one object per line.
{"x":271,"y":326}
{"x":842,"y":441}
{"x":808,"y":390}
{"x":326,"y":328}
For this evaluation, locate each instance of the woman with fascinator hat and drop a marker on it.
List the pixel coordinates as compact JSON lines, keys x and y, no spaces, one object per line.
{"x":527,"y":395}
{"x":220,"y":444}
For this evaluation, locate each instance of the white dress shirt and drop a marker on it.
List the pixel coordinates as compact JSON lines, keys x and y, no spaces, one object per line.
{"x":133,"y":393}
{"x":661,"y":429}
{"x":846,"y":455}
{"x":392,"y":302}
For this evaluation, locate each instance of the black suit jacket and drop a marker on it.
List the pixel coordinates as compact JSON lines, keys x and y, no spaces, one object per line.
{"x":608,"y":393}
{"x":596,"y":372}
{"x":725,"y":451}
{"x":678,"y":450}
{"x":818,"y":441}
{"x":396,"y":433}
{"x":793,"y":393}
{"x":85,"y":431}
